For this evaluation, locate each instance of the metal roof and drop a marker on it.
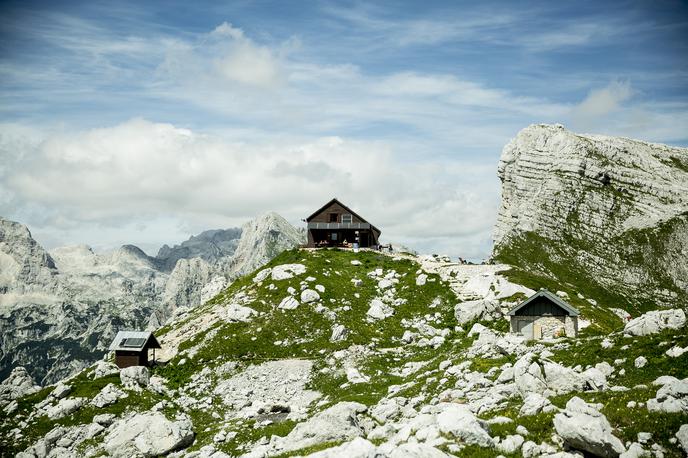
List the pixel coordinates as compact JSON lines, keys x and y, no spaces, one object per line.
{"x":134,"y":341}
{"x":572,"y":311}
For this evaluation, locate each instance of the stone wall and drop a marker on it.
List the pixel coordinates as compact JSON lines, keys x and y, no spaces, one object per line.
{"x":548,"y":327}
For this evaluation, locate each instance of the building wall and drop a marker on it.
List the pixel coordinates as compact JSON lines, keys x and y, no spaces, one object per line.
{"x":129,"y":358}
{"x":547,"y":327}
{"x":324,"y":216}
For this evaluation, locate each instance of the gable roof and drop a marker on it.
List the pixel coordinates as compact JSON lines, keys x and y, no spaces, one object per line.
{"x":572,"y":311}
{"x":134,"y":341}
{"x":335,"y":200}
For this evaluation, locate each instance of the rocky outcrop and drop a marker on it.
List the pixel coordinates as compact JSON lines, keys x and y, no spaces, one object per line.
{"x":656,"y":321}
{"x":148,"y":434}
{"x":261,"y":240}
{"x":596,"y":211}
{"x":18,"y":384}
{"x":210,"y":246}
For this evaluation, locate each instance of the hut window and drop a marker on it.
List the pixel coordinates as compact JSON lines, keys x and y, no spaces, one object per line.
{"x":333,"y":217}
{"x":347,"y":218}
{"x":334,"y":236}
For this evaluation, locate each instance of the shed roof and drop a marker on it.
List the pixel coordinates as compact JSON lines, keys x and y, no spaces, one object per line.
{"x":134,"y":341}
{"x":572,"y":311}
{"x":335,"y":200}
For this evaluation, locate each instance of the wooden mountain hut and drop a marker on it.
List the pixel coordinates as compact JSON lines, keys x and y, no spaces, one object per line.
{"x":336,"y":225}
{"x":544,"y":316}
{"x":131,"y":348}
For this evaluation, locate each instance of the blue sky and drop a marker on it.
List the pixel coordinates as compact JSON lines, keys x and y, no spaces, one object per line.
{"x":144,"y":122}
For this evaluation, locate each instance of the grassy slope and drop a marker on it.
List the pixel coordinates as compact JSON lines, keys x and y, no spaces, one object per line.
{"x":253,"y":343}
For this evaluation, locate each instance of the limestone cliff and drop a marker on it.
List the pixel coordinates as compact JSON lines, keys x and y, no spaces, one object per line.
{"x":609,"y":215}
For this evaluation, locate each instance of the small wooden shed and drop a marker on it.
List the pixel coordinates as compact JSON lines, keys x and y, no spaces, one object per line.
{"x":336,"y":225}
{"x":544,"y":316}
{"x":131,"y":348}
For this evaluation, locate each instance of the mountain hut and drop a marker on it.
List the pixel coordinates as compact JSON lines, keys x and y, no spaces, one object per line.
{"x":336,"y":225}
{"x":544,"y":316}
{"x":131,"y":348}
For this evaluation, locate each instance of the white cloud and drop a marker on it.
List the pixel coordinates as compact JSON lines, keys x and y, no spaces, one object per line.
{"x":139,"y":173}
{"x":601,"y":102}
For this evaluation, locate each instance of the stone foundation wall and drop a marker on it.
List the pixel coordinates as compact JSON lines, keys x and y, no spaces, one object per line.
{"x":547,"y":327}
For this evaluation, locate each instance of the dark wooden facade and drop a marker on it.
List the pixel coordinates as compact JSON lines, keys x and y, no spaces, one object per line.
{"x":541,"y":306}
{"x":336,"y":225}
{"x":132,"y":348}
{"x":125,"y":358}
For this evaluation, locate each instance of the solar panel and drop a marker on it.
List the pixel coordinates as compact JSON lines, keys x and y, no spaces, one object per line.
{"x":133,"y":342}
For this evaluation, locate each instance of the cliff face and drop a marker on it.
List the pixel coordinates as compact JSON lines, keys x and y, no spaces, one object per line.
{"x":59,"y":311}
{"x":606,"y":214}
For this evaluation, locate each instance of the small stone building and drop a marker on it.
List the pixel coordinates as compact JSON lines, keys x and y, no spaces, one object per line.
{"x":132,"y":347}
{"x":544,"y":316}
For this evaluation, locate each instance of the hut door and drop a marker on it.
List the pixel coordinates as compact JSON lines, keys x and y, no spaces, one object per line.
{"x":525,"y":327}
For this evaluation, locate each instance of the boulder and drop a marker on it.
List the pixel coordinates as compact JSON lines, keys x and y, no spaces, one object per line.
{"x":135,"y":377}
{"x":61,"y":391}
{"x":357,"y":448}
{"x":309,"y":295}
{"x":103,"y":369}
{"x":354,"y":376}
{"x":65,"y":407}
{"x":334,"y":424}
{"x":510,"y":444}
{"x":236,"y":312}
{"x":468,"y":311}
{"x":421,"y":279}
{"x":148,"y":434}
{"x":682,"y":436}
{"x":458,"y":421}
{"x":594,"y":379}
{"x":640,"y":361}
{"x":379,"y":310}
{"x":656,"y":321}
{"x":18,"y":384}
{"x":583,"y":427}
{"x":672,"y":397}
{"x":562,"y":379}
{"x":108,"y":395}
{"x":286,"y":271}
{"x":535,"y":403}
{"x":339,"y":333}
{"x":528,"y":375}
{"x":288,"y":303}
{"x":412,"y":450}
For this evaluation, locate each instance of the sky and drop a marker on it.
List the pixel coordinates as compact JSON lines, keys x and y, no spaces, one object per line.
{"x":147,"y":122}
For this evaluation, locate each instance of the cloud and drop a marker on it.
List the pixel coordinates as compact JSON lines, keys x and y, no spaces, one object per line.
{"x":601,"y":102}
{"x":138,"y":173}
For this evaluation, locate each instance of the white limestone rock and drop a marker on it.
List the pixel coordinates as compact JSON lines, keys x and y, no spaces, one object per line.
{"x":65,"y":407}
{"x":656,"y":321}
{"x":148,"y":434}
{"x":379,"y":310}
{"x":510,"y":444}
{"x":458,"y":421}
{"x":672,"y":397}
{"x":356,"y":448}
{"x":339,"y":333}
{"x":535,"y":403}
{"x":135,"y":377}
{"x":682,"y":436}
{"x":236,"y":312}
{"x":337,"y":423}
{"x":18,"y":384}
{"x":354,"y":376}
{"x":103,"y":369}
{"x":288,"y":303}
{"x":287,"y":271}
{"x":421,"y":279}
{"x":640,"y":361}
{"x":468,"y":311}
{"x":583,"y":427}
{"x":108,"y":395}
{"x":309,"y":295}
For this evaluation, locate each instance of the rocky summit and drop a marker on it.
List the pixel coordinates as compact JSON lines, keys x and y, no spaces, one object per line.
{"x":601,"y":212}
{"x":59,"y":310}
{"x":336,"y":353}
